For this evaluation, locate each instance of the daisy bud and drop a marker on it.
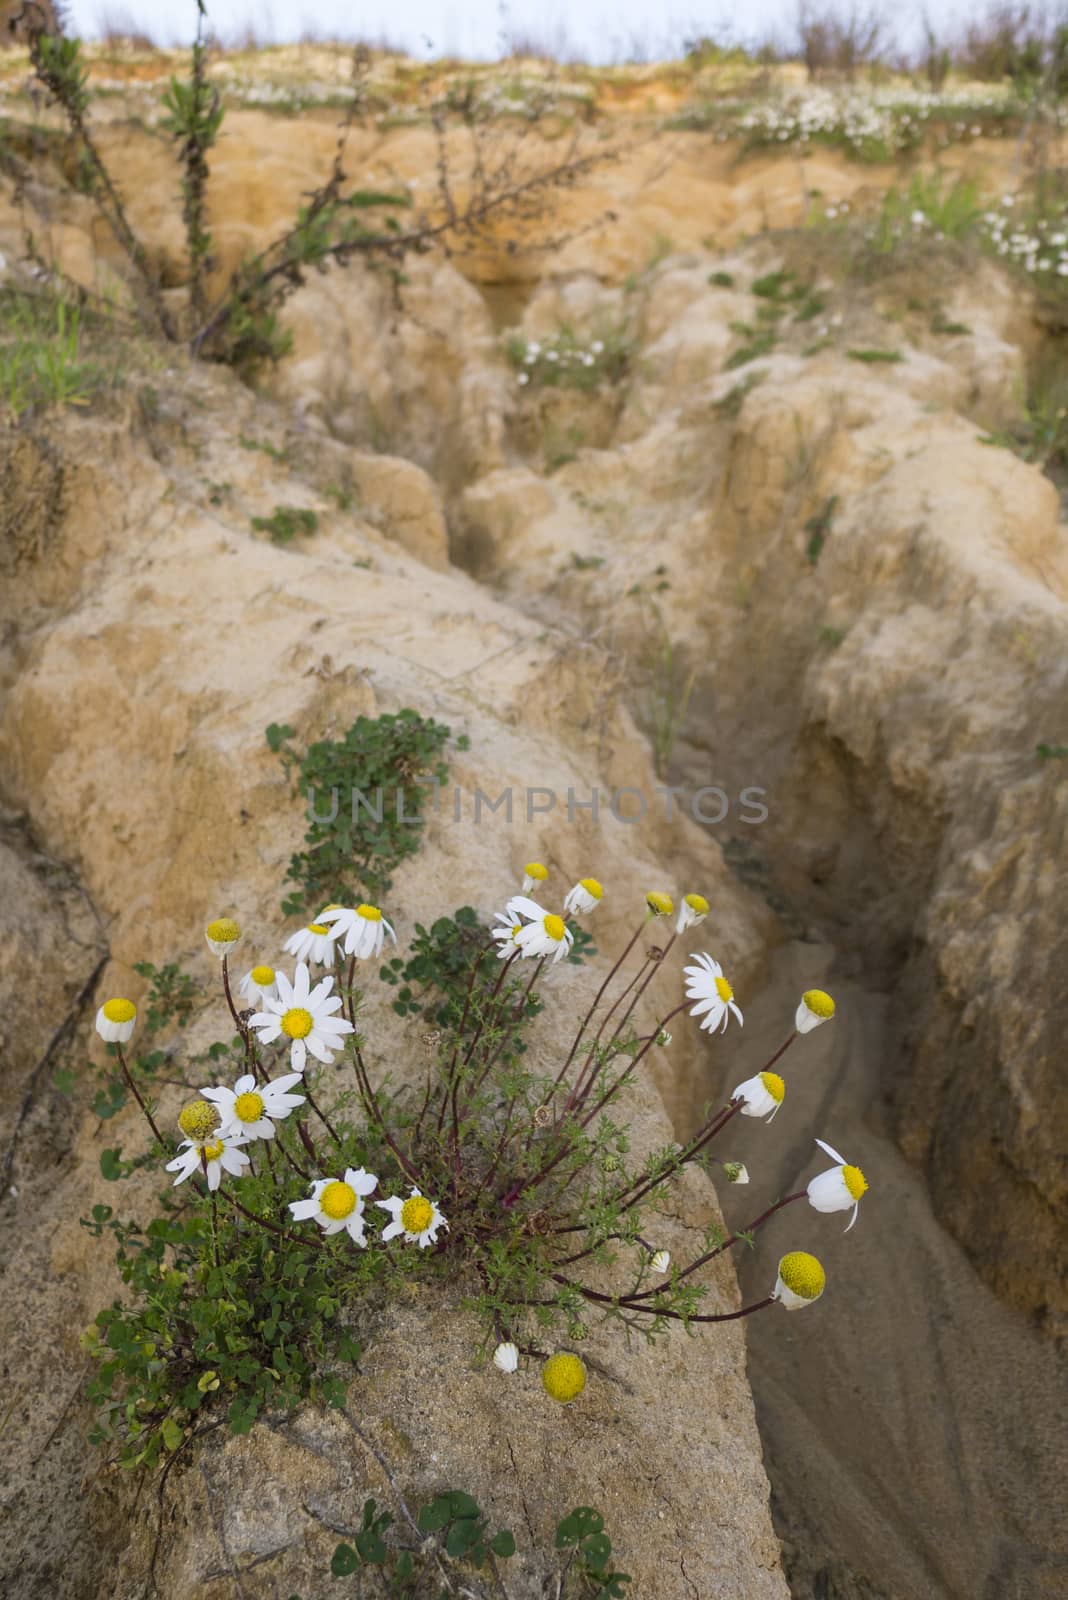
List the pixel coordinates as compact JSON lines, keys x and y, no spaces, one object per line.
{"x":533,"y":873}
{"x":115,"y":1020}
{"x":583,"y":898}
{"x":199,"y":1120}
{"x":506,"y":1357}
{"x":694,"y":909}
{"x":222,"y":935}
{"x":663,"y":1038}
{"x":661,"y":905}
{"x":736,"y":1172}
{"x":660,"y":1261}
{"x":815,"y":1007}
{"x":801,"y":1280}
{"x":577,"y":1331}
{"x":563,"y":1376}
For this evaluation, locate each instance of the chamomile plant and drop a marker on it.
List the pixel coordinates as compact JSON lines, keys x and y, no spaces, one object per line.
{"x":307,"y":1181}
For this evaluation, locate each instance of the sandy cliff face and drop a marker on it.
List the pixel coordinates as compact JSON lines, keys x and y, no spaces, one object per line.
{"x":147,"y":652}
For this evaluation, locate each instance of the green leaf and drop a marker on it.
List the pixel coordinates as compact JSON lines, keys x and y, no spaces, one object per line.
{"x":503,"y":1544}
{"x":173,"y":1433}
{"x":277,"y":734}
{"x":344,"y":1561}
{"x":112,"y":1167}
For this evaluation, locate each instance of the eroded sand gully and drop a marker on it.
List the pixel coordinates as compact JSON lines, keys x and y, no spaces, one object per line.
{"x":889,"y":699}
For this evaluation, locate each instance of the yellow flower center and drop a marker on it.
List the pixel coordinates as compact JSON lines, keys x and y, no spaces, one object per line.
{"x":416,"y":1214}
{"x":338,"y":1200}
{"x":224,"y":930}
{"x":263,"y":976}
{"x":820,"y":1004}
{"x":297,"y":1023}
{"x":120,"y":1010}
{"x":554,"y":927}
{"x":592,"y":887}
{"x":660,"y":904}
{"x":248,"y":1107}
{"x":369,"y":913}
{"x":318,"y":927}
{"x":198,"y":1120}
{"x":774,"y":1085}
{"x":698,"y":903}
{"x":563,"y":1376}
{"x":534,"y":869}
{"x":213,"y":1151}
{"x":854,"y":1181}
{"x":724,"y":990}
{"x":803,"y":1274}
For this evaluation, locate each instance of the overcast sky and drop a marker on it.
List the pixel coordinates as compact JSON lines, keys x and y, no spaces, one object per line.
{"x":596,"y":30}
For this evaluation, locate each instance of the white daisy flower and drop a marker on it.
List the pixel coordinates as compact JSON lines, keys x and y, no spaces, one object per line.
{"x":222,"y":935}
{"x":251,"y":1110}
{"x":543,"y":933}
{"x":315,"y":943}
{"x":660,"y":1261}
{"x":815,"y":1007}
{"x":417,"y":1218}
{"x":801,"y":1280}
{"x":736,"y":1172}
{"x":533,"y":873}
{"x":506,"y":1357}
{"x":338,"y":1204}
{"x":257,"y":985}
{"x":839,"y":1188}
{"x":761,"y":1096}
{"x":211,"y":1156}
{"x":365,"y":929}
{"x":305,"y":1016}
{"x":583,"y":898}
{"x":511,"y":926}
{"x":115,"y":1021}
{"x":694,"y":909}
{"x":706,"y":984}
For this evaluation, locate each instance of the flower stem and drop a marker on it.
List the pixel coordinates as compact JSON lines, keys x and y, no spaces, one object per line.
{"x":135,"y":1091}
{"x":629,"y":1299}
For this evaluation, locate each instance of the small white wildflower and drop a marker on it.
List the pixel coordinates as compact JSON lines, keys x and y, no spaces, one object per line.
{"x":533,"y":873}
{"x":736,"y":1172}
{"x":706,"y":984}
{"x":839,"y":1188}
{"x":337,"y":1204}
{"x":760,"y":1096}
{"x":693,"y":909}
{"x":584,"y":897}
{"x":417,"y":1218}
{"x":660,"y":1260}
{"x":506,"y":1357}
{"x":251,"y":1111}
{"x":315,"y":943}
{"x":365,"y":929}
{"x":305,"y":1016}
{"x":211,"y":1156}
{"x":116,"y":1020}
{"x":801,"y":1280}
{"x":222,"y":935}
{"x":815,"y":1007}
{"x":257,"y":985}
